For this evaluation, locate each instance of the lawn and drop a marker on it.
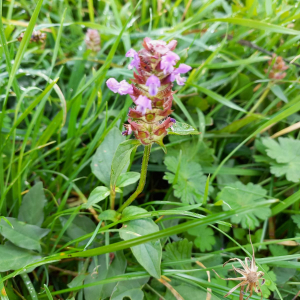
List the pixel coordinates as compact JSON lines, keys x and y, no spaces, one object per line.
{"x":144,"y":144}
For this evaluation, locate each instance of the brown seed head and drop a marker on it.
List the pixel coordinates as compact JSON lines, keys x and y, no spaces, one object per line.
{"x":252,"y":277}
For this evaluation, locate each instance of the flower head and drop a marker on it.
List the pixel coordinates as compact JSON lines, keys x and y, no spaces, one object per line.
{"x":168,"y":61}
{"x":143,"y":103}
{"x":92,"y":40}
{"x":151,"y":90}
{"x":175,"y":75}
{"x":153,"y":83}
{"x":123,"y":87}
{"x":136,"y":60}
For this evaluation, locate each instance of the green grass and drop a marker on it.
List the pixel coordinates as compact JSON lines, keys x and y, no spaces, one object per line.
{"x":56,"y":111}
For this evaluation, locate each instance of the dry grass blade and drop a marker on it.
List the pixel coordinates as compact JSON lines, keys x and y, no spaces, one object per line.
{"x":169,"y":287}
{"x":208,"y":297}
{"x":286,"y":130}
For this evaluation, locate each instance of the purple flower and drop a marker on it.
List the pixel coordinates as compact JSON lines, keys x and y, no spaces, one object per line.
{"x":123,"y":87}
{"x":172,"y":45}
{"x":168,"y":61}
{"x":143,"y":103}
{"x":153,"y":83}
{"x":136,"y":60}
{"x":172,"y":120}
{"x":113,"y":84}
{"x":182,"y":69}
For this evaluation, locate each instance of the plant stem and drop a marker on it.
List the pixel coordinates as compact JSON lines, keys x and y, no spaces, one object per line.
{"x":142,"y":179}
{"x":260,"y":100}
{"x":112,"y":198}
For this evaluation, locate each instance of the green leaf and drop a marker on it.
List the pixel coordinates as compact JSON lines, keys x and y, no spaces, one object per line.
{"x":100,"y":269}
{"x":182,"y":129}
{"x":102,"y":159}
{"x":188,"y":292}
{"x":278,"y":250}
{"x":132,"y":211}
{"x":121,"y":159}
{"x":117,"y":267}
{"x":237,"y":195}
{"x":276,"y":89}
{"x":80,"y":226}
{"x":147,"y":254}
{"x":98,"y":194}
{"x":205,"y":237}
{"x":257,"y":25}
{"x":178,"y":251}
{"x":32,"y":208}
{"x":190,"y":185}
{"x":128,"y":178}
{"x":218,"y":98}
{"x":269,"y":285}
{"x":129,"y":289}
{"x":296,"y":219}
{"x":14,"y":258}
{"x":286,"y":154}
{"x":97,"y":271}
{"x":23,"y":235}
{"x":109,"y":214}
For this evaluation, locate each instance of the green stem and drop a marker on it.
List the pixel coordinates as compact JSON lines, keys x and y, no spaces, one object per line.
{"x":112,"y":198}
{"x":260,"y":100}
{"x":142,"y":179}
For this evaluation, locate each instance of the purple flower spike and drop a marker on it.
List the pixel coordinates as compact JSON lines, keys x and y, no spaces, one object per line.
{"x":136,"y":60}
{"x":125,"y":132}
{"x":182,"y":69}
{"x":153,"y":83}
{"x":113,"y":84}
{"x":168,"y":61}
{"x":123,"y":87}
{"x":143,"y":103}
{"x":172,"y":120}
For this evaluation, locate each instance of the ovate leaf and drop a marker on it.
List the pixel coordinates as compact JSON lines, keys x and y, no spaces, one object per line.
{"x":117,"y":267}
{"x":237,"y":195}
{"x":98,"y":194}
{"x":14,"y":258}
{"x":109,"y":214}
{"x":23,"y":235}
{"x":128,"y":178}
{"x":190,"y":183}
{"x":32,"y":207}
{"x":286,"y":154}
{"x":182,"y":129}
{"x":97,"y":271}
{"x":130,"y":288}
{"x":148,"y":254}
{"x":178,"y":251}
{"x":102,"y":159}
{"x":80,"y":226}
{"x":121,"y":159}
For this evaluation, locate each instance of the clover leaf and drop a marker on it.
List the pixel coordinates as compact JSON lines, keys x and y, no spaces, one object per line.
{"x":286,"y":157}
{"x":178,"y":251}
{"x":205,"y":237}
{"x":237,"y":195}
{"x":188,"y":181}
